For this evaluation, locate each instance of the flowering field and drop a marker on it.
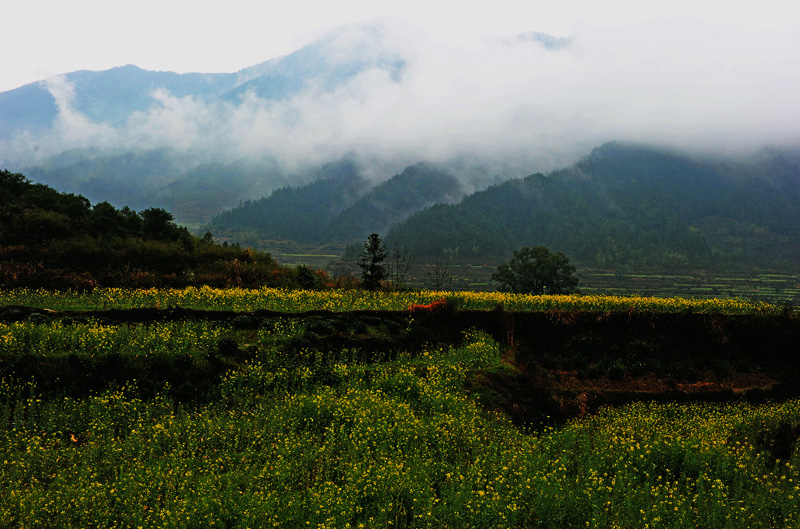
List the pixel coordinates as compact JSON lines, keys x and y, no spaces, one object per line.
{"x":285,"y":437}
{"x":239,"y":299}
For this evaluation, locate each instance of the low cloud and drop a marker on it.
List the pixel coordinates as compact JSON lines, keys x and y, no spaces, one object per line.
{"x":520,"y":104}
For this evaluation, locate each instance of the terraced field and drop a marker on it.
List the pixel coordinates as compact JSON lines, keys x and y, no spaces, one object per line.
{"x":265,"y":408}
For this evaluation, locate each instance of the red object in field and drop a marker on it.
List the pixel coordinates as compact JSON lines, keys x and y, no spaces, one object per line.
{"x":431,"y":307}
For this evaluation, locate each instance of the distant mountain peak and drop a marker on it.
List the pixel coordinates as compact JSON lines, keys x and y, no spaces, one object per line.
{"x":327,"y":62}
{"x":545,"y":40}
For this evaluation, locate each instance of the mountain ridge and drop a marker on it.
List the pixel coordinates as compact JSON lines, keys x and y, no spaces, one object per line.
{"x":621,"y":206}
{"x":111,"y":96}
{"x":624,"y":205}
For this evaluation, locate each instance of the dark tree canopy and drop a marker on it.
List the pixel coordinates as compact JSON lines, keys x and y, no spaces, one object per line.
{"x":371,"y":262}
{"x":56,"y":240}
{"x":157,"y":223}
{"x":537,"y":271}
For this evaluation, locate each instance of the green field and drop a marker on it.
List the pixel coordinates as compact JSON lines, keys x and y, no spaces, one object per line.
{"x":780,"y":287}
{"x":243,"y":422}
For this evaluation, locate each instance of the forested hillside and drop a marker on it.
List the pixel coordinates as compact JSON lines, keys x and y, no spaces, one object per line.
{"x":59,"y":240}
{"x":627,"y":205}
{"x":297,"y":213}
{"x":621,"y":207}
{"x":392,"y":201}
{"x":341,"y":205}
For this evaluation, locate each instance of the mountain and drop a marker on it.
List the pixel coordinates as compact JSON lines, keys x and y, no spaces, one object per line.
{"x":392,"y":201}
{"x":127,"y":178}
{"x":188,"y":184}
{"x":200,"y":143}
{"x":206,"y":189}
{"x":312,"y":147}
{"x":145,"y":138}
{"x":340,"y":206}
{"x":299,"y":213}
{"x":328,"y":63}
{"x":108,"y":96}
{"x":627,"y":205}
{"x":113,"y":96}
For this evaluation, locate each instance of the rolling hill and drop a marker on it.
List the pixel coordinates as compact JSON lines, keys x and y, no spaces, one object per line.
{"x":340,"y":205}
{"x":628,"y":205}
{"x":623,"y":206}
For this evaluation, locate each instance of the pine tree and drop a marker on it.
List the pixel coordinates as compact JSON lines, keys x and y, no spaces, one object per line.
{"x":372,"y":269}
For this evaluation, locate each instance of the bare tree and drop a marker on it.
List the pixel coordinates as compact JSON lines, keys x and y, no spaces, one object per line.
{"x":440,"y":276}
{"x":400,"y":264}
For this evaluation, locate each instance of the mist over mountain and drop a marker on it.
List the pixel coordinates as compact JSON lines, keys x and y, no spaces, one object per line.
{"x":388,"y":95}
{"x":198,"y":143}
{"x":193,"y":186}
{"x":390,"y":202}
{"x":107,"y":97}
{"x":627,"y":205}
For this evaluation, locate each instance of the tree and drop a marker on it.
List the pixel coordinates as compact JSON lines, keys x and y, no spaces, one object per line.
{"x":157,"y":223}
{"x":372,"y":270}
{"x":537,"y":271}
{"x":106,"y":220}
{"x":307,"y":278}
{"x":440,"y":275}
{"x":400,"y":265}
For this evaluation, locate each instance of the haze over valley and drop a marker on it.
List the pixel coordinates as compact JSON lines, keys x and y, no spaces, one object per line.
{"x":664,"y":143}
{"x":389,"y":95}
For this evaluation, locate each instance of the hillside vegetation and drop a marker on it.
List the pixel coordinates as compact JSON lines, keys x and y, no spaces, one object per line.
{"x":59,"y":240}
{"x":340,"y":205}
{"x":623,"y":207}
{"x":627,"y":206}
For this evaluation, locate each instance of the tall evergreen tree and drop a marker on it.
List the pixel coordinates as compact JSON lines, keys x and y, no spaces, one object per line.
{"x":371,"y":262}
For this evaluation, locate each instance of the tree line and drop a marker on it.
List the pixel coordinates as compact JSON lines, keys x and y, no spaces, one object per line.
{"x":536,"y":271}
{"x":59,"y":240}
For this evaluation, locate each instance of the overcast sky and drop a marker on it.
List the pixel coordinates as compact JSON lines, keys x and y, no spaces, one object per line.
{"x":49,"y":37}
{"x":689,"y":73}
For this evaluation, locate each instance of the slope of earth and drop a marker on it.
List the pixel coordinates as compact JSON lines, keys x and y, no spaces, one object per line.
{"x":556,"y":364}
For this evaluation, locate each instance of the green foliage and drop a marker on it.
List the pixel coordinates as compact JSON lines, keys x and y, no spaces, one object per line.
{"x":624,"y":206}
{"x":56,"y":240}
{"x":393,"y":200}
{"x":339,"y":205}
{"x":158,"y":224}
{"x":537,"y":271}
{"x":371,"y":262}
{"x":396,"y":443}
{"x":297,"y":213}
